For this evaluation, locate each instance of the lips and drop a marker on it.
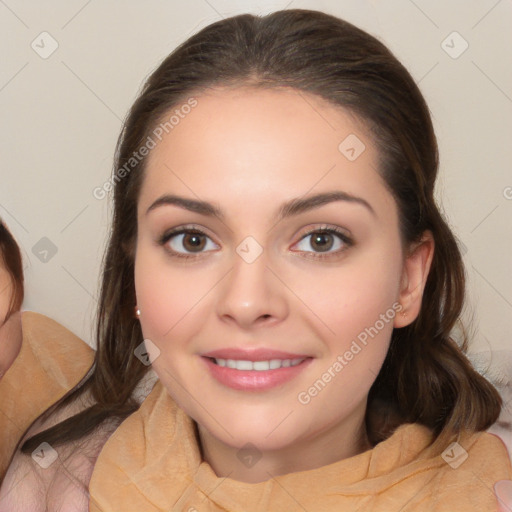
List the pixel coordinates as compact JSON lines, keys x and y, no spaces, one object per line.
{"x":254,"y":370}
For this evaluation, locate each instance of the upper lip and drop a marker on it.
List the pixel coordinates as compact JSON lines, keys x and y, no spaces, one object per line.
{"x":258,"y":354}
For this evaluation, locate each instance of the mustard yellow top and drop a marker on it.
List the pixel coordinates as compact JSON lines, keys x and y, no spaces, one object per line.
{"x":152,"y":463}
{"x":51,"y":361}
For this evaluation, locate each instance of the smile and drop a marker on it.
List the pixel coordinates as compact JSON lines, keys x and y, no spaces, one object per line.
{"x":260,"y":366}
{"x":260,"y":375}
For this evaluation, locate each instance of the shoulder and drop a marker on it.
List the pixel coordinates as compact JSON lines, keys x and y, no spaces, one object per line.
{"x":53,"y":477}
{"x":469,"y":468}
{"x":50,"y":354}
{"x":482,"y":455}
{"x":51,"y":361}
{"x":45,"y":336}
{"x":490,"y":448}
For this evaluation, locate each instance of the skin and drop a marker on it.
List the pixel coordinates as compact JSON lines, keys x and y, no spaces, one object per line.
{"x":10,"y":330}
{"x":248,"y":151}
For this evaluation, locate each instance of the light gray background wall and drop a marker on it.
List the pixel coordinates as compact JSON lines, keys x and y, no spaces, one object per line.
{"x":61,"y":113}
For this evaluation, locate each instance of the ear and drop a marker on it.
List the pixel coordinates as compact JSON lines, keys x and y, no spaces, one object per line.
{"x":414,"y":276}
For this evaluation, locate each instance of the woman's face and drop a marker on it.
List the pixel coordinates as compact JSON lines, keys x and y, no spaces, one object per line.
{"x":301,"y":319}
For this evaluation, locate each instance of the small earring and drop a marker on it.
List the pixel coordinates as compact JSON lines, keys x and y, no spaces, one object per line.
{"x":137,"y":312}
{"x":403,"y":313}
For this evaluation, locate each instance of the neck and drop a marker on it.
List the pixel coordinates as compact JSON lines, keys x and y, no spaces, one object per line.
{"x":250,"y":465}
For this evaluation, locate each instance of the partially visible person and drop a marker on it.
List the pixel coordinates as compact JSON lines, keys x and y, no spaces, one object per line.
{"x":40,"y":360}
{"x":11,"y":298}
{"x":496,"y":366}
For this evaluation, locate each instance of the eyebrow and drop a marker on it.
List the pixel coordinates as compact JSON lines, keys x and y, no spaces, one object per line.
{"x":290,"y":208}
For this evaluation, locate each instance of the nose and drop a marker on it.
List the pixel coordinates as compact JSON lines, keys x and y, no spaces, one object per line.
{"x":252,"y":295}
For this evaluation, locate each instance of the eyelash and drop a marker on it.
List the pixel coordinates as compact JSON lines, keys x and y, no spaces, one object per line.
{"x":190,"y":230}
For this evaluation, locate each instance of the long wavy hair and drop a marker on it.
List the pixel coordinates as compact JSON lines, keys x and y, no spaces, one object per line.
{"x":426,"y":377}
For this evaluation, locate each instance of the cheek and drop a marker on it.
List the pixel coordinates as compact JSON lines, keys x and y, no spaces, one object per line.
{"x":156,"y":299}
{"x":351,"y":298}
{"x":355,"y":305}
{"x":169,"y":302}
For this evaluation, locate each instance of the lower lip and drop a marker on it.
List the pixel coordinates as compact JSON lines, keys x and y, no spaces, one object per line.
{"x":254,"y":380}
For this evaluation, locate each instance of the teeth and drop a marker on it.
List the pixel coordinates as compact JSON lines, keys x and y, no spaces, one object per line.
{"x":272,"y":364}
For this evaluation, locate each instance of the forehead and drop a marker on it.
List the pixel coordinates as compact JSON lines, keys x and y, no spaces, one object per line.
{"x":262,"y":142}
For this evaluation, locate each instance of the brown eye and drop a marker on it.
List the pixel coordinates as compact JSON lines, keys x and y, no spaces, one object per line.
{"x":324,"y":243}
{"x":193,"y":241}
{"x":186,"y":243}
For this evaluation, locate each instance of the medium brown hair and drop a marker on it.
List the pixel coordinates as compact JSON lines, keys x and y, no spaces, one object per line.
{"x":10,"y":257}
{"x":425,"y":378}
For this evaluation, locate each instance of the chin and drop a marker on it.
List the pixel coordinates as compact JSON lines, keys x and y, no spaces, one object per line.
{"x":266,"y":435}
